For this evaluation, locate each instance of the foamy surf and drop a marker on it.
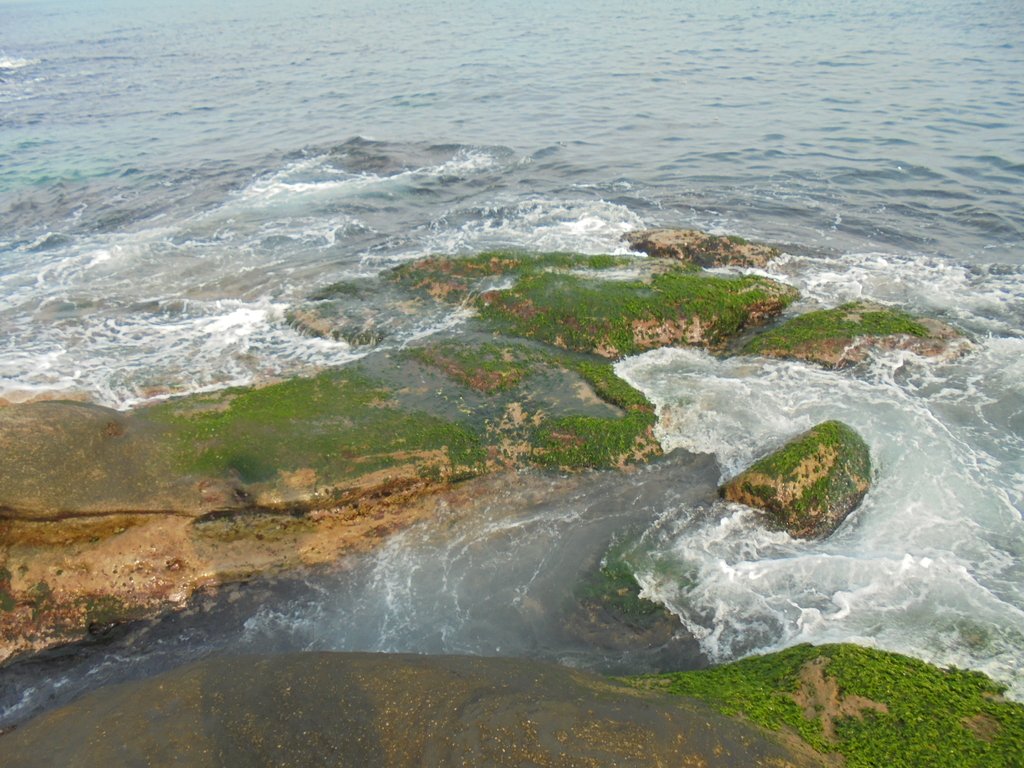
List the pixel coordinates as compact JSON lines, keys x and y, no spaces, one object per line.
{"x":14,"y":62}
{"x":582,"y":226}
{"x":926,"y":566}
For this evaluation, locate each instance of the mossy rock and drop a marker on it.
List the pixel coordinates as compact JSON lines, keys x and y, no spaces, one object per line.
{"x":700,"y":248}
{"x":454,"y":279}
{"x":871,"y":707}
{"x":613,"y":318}
{"x":810,"y":485}
{"x":846,"y":335}
{"x":599,"y":304}
{"x":133,"y":511}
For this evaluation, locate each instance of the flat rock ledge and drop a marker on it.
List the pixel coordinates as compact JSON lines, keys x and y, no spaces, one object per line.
{"x":810,"y":485}
{"x":848,"y":334}
{"x":700,"y":248}
{"x":327,"y":709}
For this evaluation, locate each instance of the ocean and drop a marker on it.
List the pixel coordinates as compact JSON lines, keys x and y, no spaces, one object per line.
{"x":174,"y":177}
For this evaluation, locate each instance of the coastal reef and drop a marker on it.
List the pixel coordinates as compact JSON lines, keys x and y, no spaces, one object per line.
{"x":609,"y":306}
{"x":809,"y":485}
{"x":110,"y":516}
{"x":134,"y":511}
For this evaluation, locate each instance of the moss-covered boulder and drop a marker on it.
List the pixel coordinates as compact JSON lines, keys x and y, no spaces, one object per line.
{"x":108,"y":515}
{"x":700,"y":248}
{"x":865,"y":708}
{"x":846,"y":335}
{"x":811,"y":484}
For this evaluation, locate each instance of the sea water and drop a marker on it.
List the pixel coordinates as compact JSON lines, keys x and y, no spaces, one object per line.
{"x":174,"y":178}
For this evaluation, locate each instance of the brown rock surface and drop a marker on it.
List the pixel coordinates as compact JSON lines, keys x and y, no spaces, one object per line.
{"x":323,"y":709}
{"x":701,"y":248}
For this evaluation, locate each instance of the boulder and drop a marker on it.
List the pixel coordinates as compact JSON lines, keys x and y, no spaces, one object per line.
{"x":700,"y":248}
{"x":810,"y":485}
{"x":846,"y":335}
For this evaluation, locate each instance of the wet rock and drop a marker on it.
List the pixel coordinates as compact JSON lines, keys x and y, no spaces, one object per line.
{"x":374,"y":709}
{"x":810,"y":485}
{"x":95,"y":503}
{"x":700,"y":248}
{"x":846,"y":335}
{"x":609,"y":612}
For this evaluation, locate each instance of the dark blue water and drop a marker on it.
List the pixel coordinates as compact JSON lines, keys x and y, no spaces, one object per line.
{"x":174,"y":176}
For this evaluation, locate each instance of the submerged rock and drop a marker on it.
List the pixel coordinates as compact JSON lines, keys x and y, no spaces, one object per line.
{"x":846,"y":335}
{"x":324,"y":709}
{"x":700,"y":248}
{"x":810,"y":485}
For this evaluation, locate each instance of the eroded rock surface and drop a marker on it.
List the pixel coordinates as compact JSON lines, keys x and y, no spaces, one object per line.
{"x":700,"y":248}
{"x":810,"y":485}
{"x":372,"y":709}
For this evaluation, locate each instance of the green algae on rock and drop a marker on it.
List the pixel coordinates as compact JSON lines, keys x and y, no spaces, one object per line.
{"x":605,"y":305}
{"x":700,"y":248}
{"x":613,"y":318}
{"x":329,"y":709}
{"x":840,"y":337}
{"x":872,"y":708}
{"x":810,"y":485}
{"x":209,"y":488}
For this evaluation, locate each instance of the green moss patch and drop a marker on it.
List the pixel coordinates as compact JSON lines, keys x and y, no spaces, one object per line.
{"x":872,"y":707}
{"x":824,"y":336}
{"x":7,"y":601}
{"x":517,"y":374}
{"x":483,"y":367}
{"x":613,"y":318}
{"x":614,"y":587}
{"x":340,"y":424}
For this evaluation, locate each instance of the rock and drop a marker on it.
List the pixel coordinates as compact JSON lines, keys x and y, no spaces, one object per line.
{"x":605,"y":305}
{"x":319,"y":709}
{"x":846,"y":335}
{"x":609,"y":612}
{"x":700,"y":248}
{"x":810,"y":485}
{"x":108,"y":516}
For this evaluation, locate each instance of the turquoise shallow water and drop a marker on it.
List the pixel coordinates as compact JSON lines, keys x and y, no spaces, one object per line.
{"x":173,"y":177}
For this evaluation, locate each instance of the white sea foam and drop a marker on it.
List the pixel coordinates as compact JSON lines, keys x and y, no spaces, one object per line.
{"x":984,"y":299}
{"x":930,"y":563}
{"x":317,"y":179}
{"x":13,"y":62}
{"x":583,"y":226}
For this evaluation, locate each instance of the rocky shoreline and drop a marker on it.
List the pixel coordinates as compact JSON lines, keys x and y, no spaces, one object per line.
{"x":107,"y":516}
